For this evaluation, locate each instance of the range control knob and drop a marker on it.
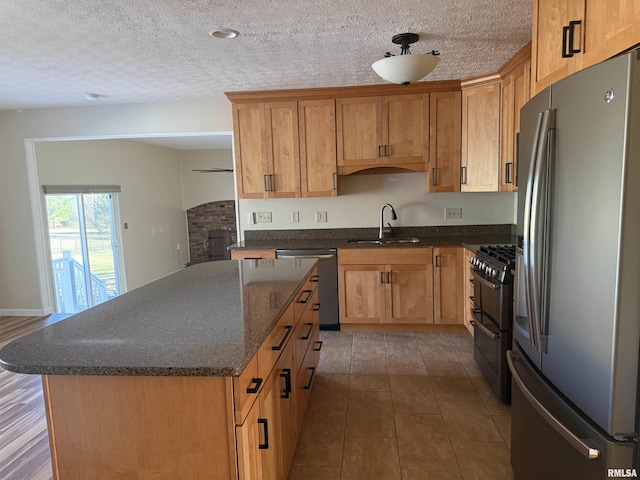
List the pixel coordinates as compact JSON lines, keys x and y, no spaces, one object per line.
{"x":492,"y":272}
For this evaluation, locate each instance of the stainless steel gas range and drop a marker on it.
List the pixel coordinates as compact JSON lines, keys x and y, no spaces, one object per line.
{"x":492,"y":311}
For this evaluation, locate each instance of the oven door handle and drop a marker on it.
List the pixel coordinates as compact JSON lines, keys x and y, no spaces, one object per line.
{"x":486,"y":283}
{"x":485,"y":330}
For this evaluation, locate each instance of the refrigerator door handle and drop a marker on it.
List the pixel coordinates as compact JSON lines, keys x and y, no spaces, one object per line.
{"x":577,"y":443}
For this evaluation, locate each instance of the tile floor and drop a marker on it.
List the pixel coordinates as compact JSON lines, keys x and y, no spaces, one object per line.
{"x":402,"y":406}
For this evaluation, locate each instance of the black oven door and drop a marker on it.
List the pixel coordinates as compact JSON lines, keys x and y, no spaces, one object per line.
{"x":493,"y":299}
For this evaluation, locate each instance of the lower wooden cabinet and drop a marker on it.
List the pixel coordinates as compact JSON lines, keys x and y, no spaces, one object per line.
{"x":448,"y":285}
{"x":253,"y":254}
{"x":391,"y":285}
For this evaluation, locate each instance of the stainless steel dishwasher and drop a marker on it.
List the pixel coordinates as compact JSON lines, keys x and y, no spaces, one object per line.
{"x":327,"y":283}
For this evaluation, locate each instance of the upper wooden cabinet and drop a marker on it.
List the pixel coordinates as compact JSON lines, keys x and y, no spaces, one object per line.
{"x":569,"y":36}
{"x":480,"y":134}
{"x":379,"y":131}
{"x":515,"y":93}
{"x":267,"y":150}
{"x":445,"y":132}
{"x":318,"y":170}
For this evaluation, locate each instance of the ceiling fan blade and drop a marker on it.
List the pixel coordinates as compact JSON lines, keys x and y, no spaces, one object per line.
{"x":212,"y":170}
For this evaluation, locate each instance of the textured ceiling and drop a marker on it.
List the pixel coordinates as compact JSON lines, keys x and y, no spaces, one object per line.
{"x":52,"y":52}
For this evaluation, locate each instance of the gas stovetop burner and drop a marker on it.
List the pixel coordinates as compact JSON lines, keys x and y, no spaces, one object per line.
{"x":505,"y":254}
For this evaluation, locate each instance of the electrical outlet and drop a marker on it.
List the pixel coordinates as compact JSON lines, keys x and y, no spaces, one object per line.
{"x":321,"y":217}
{"x":295,"y":217}
{"x":452,"y":213}
{"x":264,"y":217}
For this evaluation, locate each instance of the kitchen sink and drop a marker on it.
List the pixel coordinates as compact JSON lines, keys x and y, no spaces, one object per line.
{"x":385,"y":241}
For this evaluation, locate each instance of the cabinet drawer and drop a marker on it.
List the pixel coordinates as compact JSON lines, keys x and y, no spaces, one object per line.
{"x":245,"y":389}
{"x":304,"y":295}
{"x":369,"y":256}
{"x":304,"y":381}
{"x":275,"y":343}
{"x":304,"y":329}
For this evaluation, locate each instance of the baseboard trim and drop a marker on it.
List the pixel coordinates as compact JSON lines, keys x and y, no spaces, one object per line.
{"x":391,"y":327}
{"x":25,"y":312}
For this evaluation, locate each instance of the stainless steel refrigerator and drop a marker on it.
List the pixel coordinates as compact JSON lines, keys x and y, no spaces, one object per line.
{"x":577,"y":302}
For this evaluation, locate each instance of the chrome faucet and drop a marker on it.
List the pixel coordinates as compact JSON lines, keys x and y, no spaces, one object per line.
{"x":393,"y":217}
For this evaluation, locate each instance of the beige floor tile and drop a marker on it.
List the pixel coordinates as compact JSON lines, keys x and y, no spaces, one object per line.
{"x":370,"y":414}
{"x":484,"y":461}
{"x":423,"y":443}
{"x":368,"y":340}
{"x":458,"y":384}
{"x":369,"y":361}
{"x":369,"y":382}
{"x":401,"y":340}
{"x":463,"y":340}
{"x":467,"y":418}
{"x":335,"y":360}
{"x":413,"y":394}
{"x":422,"y":475}
{"x":405,"y":363}
{"x":330,"y":391}
{"x":314,"y":473}
{"x":370,"y":459}
{"x":439,"y":353}
{"x":494,"y":405}
{"x":504,"y":425}
{"x":336,"y":339}
{"x":432,"y":338}
{"x":321,"y":439}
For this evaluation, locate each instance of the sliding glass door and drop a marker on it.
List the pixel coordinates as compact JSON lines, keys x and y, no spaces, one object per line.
{"x":84,"y":250}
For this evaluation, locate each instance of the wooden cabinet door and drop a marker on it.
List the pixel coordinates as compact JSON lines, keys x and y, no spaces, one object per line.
{"x":359,"y":131}
{"x":515,"y":93}
{"x":269,"y":429}
{"x":288,"y":428}
{"x":283,"y":151}
{"x":549,"y":18}
{"x":447,"y":285}
{"x":610,"y":28}
{"x":405,"y":129}
{"x":445,"y":131}
{"x":409,"y":293}
{"x":361,"y":294}
{"x":250,"y":150}
{"x":480,"y":137}
{"x":318,"y":163}
{"x":247,"y":444}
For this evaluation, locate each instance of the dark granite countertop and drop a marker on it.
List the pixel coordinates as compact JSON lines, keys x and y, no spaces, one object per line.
{"x":206,"y":320}
{"x":467,"y":235}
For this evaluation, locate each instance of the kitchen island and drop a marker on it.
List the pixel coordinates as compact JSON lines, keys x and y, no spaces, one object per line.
{"x":184,"y":378}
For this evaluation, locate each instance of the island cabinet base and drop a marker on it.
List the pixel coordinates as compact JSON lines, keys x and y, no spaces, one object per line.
{"x":139,"y":428}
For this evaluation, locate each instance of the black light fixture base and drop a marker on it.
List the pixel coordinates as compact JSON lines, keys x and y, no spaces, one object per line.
{"x":405,"y":39}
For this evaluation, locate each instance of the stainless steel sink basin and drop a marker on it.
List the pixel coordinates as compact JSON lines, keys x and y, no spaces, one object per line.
{"x":385,"y":241}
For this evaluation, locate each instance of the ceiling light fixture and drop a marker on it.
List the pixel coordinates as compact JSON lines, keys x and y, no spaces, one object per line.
{"x":406,"y":68}
{"x":224,"y":33}
{"x":93,"y":96}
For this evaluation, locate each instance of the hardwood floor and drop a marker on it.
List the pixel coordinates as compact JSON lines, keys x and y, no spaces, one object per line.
{"x":24,"y":445}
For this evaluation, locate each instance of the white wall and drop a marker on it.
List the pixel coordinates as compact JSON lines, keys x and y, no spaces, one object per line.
{"x":202,"y":188}
{"x":150,"y":199}
{"x":20,"y":250}
{"x":361,"y":197}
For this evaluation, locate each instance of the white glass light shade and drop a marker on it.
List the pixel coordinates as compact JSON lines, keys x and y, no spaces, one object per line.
{"x":405,"y":69}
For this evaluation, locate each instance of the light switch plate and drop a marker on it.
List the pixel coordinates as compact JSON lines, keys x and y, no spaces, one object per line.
{"x":321,"y":217}
{"x":295,"y":217}
{"x":452,"y":213}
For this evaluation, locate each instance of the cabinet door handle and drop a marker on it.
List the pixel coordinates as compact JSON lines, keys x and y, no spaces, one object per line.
{"x":568,"y":35}
{"x":433,"y":177}
{"x":306,"y":300}
{"x":318,"y":347}
{"x":388,"y":277}
{"x":386,"y":150}
{"x":272,"y":183}
{"x":507,"y":172}
{"x":381,"y":150}
{"x":437,"y":260}
{"x":463,"y":175}
{"x":316,"y":307}
{"x":306,"y":337}
{"x":565,"y":34}
{"x":381,"y":277}
{"x":265,"y":429}
{"x":286,"y":374}
{"x":335,"y":180}
{"x":284,"y":339}
{"x":313,"y":372}
{"x":266,"y":184}
{"x":257,"y":382}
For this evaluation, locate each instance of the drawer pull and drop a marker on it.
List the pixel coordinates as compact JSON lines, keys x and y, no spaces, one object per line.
{"x":316,"y":307}
{"x":306,"y":300}
{"x":286,"y":374}
{"x":284,"y":339}
{"x":313,"y":372}
{"x":256,"y":387}
{"x":314,"y":278}
{"x":306,"y":337}
{"x":318,"y":347}
{"x":265,"y":424}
